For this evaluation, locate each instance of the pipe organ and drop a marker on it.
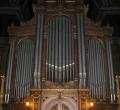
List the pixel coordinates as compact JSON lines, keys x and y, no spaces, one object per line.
{"x":60,"y":52}
{"x":60,"y":57}
{"x":96,"y":69}
{"x":23,"y":74}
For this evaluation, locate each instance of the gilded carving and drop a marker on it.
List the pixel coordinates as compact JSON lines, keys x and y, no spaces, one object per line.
{"x":51,"y":85}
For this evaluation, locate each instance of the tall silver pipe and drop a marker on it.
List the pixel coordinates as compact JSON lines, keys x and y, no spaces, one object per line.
{"x":94,"y":63}
{"x":93,"y":82}
{"x":64,"y":49}
{"x":38,"y":18}
{"x":19,"y":64}
{"x":89,"y":67}
{"x":22,"y":70}
{"x":103,"y":74}
{"x":66,"y":31}
{"x":23,"y":61}
{"x":98,"y":68}
{"x":56,"y":50}
{"x":72,"y":55}
{"x":47,"y":56}
{"x":38,"y":51}
{"x":110,"y":67}
{"x":23,"y":77}
{"x":59,"y":49}
{"x":53,"y":50}
{"x":95,"y":69}
{"x":70,"y":50}
{"x":79,"y":51}
{"x":26,"y":81}
{"x":40,"y":48}
{"x":49,"y":49}
{"x":27,"y":72}
{"x":28,"y":54}
{"x":50,"y":52}
{"x":31,"y":50}
{"x":99,"y":71}
{"x":83,"y":50}
{"x":89,"y":58}
{"x":18,"y":55}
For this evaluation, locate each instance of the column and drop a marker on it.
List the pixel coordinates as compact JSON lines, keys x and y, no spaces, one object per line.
{"x":38,"y":50}
{"x":9,"y":70}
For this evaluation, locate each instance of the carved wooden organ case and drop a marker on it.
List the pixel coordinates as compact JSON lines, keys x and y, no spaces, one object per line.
{"x":60,"y":49}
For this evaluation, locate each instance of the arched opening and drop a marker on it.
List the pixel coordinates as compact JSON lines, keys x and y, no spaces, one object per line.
{"x":60,"y":104}
{"x":59,"y":107}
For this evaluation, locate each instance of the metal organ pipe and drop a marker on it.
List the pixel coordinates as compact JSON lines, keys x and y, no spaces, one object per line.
{"x":60,"y":41}
{"x":49,"y":49}
{"x":96,"y":69}
{"x":73,"y":56}
{"x":79,"y":52}
{"x":53,"y":50}
{"x":93,"y":82}
{"x":47,"y":57}
{"x":70,"y":50}
{"x":89,"y":67}
{"x":9,"y":70}
{"x":56,"y":49}
{"x":110,"y":67}
{"x":83,"y":50}
{"x":59,"y":48}
{"x":23,"y":69}
{"x":19,"y":65}
{"x":66,"y":41}
{"x":100,"y":74}
{"x":104,"y":94}
{"x":22,"y":83}
{"x":38,"y":51}
{"x":99,"y":71}
{"x":63,"y":49}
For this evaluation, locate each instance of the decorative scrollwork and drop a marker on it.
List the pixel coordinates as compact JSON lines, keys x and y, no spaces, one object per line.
{"x":51,"y":85}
